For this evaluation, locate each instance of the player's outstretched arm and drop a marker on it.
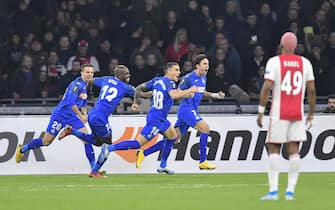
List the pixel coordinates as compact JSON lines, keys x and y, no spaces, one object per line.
{"x":178,"y":93}
{"x":218,"y":95}
{"x":141,"y":91}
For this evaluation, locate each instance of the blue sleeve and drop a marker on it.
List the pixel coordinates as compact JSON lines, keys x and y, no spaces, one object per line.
{"x":185,"y":83}
{"x":130,"y":90}
{"x":72,"y":94}
{"x":98,"y":81}
{"x":84,"y":103}
{"x":171,"y":85}
{"x":150,"y":84}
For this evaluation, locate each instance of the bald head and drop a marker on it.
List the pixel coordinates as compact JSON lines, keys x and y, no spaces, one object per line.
{"x":288,"y":42}
{"x":122,"y":73}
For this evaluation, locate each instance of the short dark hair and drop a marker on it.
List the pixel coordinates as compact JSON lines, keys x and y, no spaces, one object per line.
{"x":331,"y":96}
{"x":199,"y":58}
{"x":85,"y":65}
{"x":120,"y":70}
{"x":168,"y":65}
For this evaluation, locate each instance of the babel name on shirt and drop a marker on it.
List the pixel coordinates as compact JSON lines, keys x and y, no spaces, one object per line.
{"x":291,"y":64}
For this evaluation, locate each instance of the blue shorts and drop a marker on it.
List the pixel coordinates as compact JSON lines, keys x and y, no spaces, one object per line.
{"x":99,"y":130}
{"x":58,"y":122}
{"x":187,"y":118}
{"x":152,"y":128}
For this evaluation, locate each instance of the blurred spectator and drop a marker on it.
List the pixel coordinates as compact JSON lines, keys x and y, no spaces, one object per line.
{"x":152,"y":68}
{"x":232,"y":18}
{"x":113,"y":63}
{"x":321,"y":66}
{"x":116,"y":20}
{"x":249,"y":35}
{"x":64,"y":49}
{"x":83,"y":56}
{"x":147,"y":14}
{"x":187,"y":67}
{"x":73,"y":36}
{"x":26,"y":82}
{"x":28,"y":39}
{"x":146,"y":48}
{"x":330,"y":105}
{"x":251,"y":67}
{"x":53,"y":72}
{"x":137,"y":71}
{"x":221,"y":80}
{"x":301,"y":49}
{"x":13,"y":54}
{"x":194,"y":21}
{"x":232,"y":58}
{"x":49,"y":41}
{"x":219,"y":29}
{"x":38,"y":54}
{"x":93,"y":38}
{"x":320,"y":24}
{"x":178,"y":47}
{"x":255,"y":83}
{"x":210,"y":23}
{"x":69,"y":76}
{"x":24,"y":20}
{"x":168,"y":30}
{"x":104,"y":54}
{"x":192,"y":52}
{"x":330,"y":49}
{"x":5,"y":87}
{"x":179,"y":6}
{"x":61,"y":26}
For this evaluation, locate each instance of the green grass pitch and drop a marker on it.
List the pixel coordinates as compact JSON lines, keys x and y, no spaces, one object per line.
{"x":162,"y":192}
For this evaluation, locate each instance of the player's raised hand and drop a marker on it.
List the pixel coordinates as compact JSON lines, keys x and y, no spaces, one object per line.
{"x":134,"y":107}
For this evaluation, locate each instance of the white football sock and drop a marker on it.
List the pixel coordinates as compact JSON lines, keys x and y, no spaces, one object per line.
{"x":273,"y":173}
{"x":293,"y":172}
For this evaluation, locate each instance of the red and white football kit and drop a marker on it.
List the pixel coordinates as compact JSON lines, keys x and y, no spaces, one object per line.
{"x":289,"y":73}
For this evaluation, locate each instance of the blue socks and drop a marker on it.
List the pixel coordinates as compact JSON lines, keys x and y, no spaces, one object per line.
{"x":90,"y":154}
{"x":166,"y":152}
{"x":203,"y":146}
{"x":124,"y":145}
{"x":83,"y":136}
{"x":154,"y":148}
{"x":33,"y":144}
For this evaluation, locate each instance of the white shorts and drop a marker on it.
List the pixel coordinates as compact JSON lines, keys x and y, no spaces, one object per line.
{"x":283,"y":131}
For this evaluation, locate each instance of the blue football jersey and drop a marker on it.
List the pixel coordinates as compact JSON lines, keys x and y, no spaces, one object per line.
{"x":75,"y":94}
{"x":111,"y":93}
{"x":161,"y":100}
{"x":189,"y":80}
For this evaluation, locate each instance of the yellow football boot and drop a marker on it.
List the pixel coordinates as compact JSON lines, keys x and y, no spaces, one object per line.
{"x":206,"y":166}
{"x":19,"y":154}
{"x":140,"y":158}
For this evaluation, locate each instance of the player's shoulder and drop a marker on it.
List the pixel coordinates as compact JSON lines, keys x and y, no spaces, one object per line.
{"x":306,"y":61}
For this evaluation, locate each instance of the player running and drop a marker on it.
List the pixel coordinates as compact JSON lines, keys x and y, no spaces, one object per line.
{"x":113,"y":90}
{"x":188,"y":115}
{"x":163,"y":93}
{"x":71,"y":110}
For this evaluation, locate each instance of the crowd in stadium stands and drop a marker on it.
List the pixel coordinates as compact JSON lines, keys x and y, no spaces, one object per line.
{"x":43,"y":43}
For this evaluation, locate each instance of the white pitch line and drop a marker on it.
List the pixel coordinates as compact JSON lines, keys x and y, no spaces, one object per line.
{"x":128,"y":187}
